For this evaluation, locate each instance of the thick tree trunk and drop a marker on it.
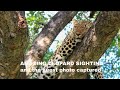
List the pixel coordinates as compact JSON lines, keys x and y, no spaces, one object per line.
{"x":95,"y":44}
{"x":13,"y":41}
{"x":46,"y":37}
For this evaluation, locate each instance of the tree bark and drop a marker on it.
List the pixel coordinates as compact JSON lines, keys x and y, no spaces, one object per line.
{"x":95,"y":43}
{"x":13,"y":41}
{"x":46,"y":37}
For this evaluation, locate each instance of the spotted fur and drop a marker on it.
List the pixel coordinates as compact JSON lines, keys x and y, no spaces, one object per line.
{"x":97,"y":75}
{"x":74,"y":36}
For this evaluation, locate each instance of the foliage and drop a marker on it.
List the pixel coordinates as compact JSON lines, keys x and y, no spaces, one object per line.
{"x":36,"y":21}
{"x":47,"y":55}
{"x":111,"y":60}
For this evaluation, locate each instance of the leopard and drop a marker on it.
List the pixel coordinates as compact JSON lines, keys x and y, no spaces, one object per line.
{"x":74,"y":37}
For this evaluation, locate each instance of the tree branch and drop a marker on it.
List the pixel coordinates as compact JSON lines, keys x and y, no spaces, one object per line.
{"x":46,"y":37}
{"x":13,"y":43}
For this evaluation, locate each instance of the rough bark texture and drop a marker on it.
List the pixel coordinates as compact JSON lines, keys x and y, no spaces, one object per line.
{"x":13,"y":41}
{"x":46,"y":37}
{"x":95,"y":44}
